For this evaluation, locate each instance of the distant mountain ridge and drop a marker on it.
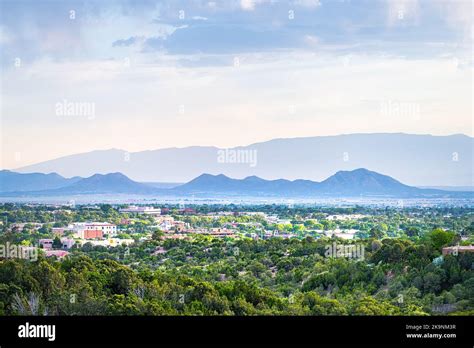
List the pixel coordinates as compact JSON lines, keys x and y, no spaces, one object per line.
{"x":54,"y":184}
{"x":355,"y":183}
{"x":416,"y":160}
{"x":11,"y":181}
{"x":106,"y":183}
{"x":359,"y":182}
{"x":363,"y":181}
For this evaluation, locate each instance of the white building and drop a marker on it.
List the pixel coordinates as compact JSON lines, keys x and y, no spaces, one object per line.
{"x":111,"y":242}
{"x":164,"y":222}
{"x":344,"y":234}
{"x":141,"y":210}
{"x":67,"y":243}
{"x":105,"y":227}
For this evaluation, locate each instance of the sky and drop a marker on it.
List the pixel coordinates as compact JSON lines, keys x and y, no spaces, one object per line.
{"x":79,"y":76}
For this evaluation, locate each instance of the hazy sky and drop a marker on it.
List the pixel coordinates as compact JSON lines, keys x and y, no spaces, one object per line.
{"x":136,"y":75}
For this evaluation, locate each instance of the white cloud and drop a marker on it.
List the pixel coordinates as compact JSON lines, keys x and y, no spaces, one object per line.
{"x":311,"y":40}
{"x":402,"y":11}
{"x":249,"y":5}
{"x":137,"y":106}
{"x":459,"y":15}
{"x":137,"y":94}
{"x":307,"y":3}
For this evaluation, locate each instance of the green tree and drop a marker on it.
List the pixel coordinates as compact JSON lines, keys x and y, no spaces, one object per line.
{"x":57,"y":243}
{"x":440,"y":238}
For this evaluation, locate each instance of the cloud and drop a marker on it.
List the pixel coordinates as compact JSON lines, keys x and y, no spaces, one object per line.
{"x":460,"y":15}
{"x":140,"y":58}
{"x":249,"y":5}
{"x":214,"y":39}
{"x":127,"y":42}
{"x":136,"y":102}
{"x":402,"y":11}
{"x":311,"y":40}
{"x":307,"y":3}
{"x":34,"y":32}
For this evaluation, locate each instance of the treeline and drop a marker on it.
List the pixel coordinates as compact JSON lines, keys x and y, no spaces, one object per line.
{"x":85,"y":287}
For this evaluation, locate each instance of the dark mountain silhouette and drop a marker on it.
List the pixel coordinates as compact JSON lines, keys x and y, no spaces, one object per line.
{"x":358,"y":182}
{"x":11,"y":181}
{"x":365,"y":182}
{"x":207,"y":183}
{"x":106,"y":183}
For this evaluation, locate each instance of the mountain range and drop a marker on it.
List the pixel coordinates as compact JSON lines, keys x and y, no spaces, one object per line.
{"x":11,"y":181}
{"x":417,"y":160}
{"x":355,"y":183}
{"x":358,"y":182}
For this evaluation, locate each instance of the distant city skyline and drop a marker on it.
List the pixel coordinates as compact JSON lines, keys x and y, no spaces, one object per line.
{"x":145,"y":75}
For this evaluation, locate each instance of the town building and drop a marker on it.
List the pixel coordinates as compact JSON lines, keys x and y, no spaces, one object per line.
{"x":58,"y":231}
{"x":164,"y":222}
{"x":106,"y":228}
{"x":91,"y":234}
{"x":458,"y":249}
{"x":46,"y":244}
{"x":67,"y":243}
{"x":111,"y":242}
{"x":141,"y":210}
{"x":60,"y":254}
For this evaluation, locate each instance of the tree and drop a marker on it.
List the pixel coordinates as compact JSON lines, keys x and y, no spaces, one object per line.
{"x":412,"y":232}
{"x":157,"y":235}
{"x":370,"y":306}
{"x":431,"y":282}
{"x":439,"y":238}
{"x":377,"y":233}
{"x":376,"y":245}
{"x":57,"y":243}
